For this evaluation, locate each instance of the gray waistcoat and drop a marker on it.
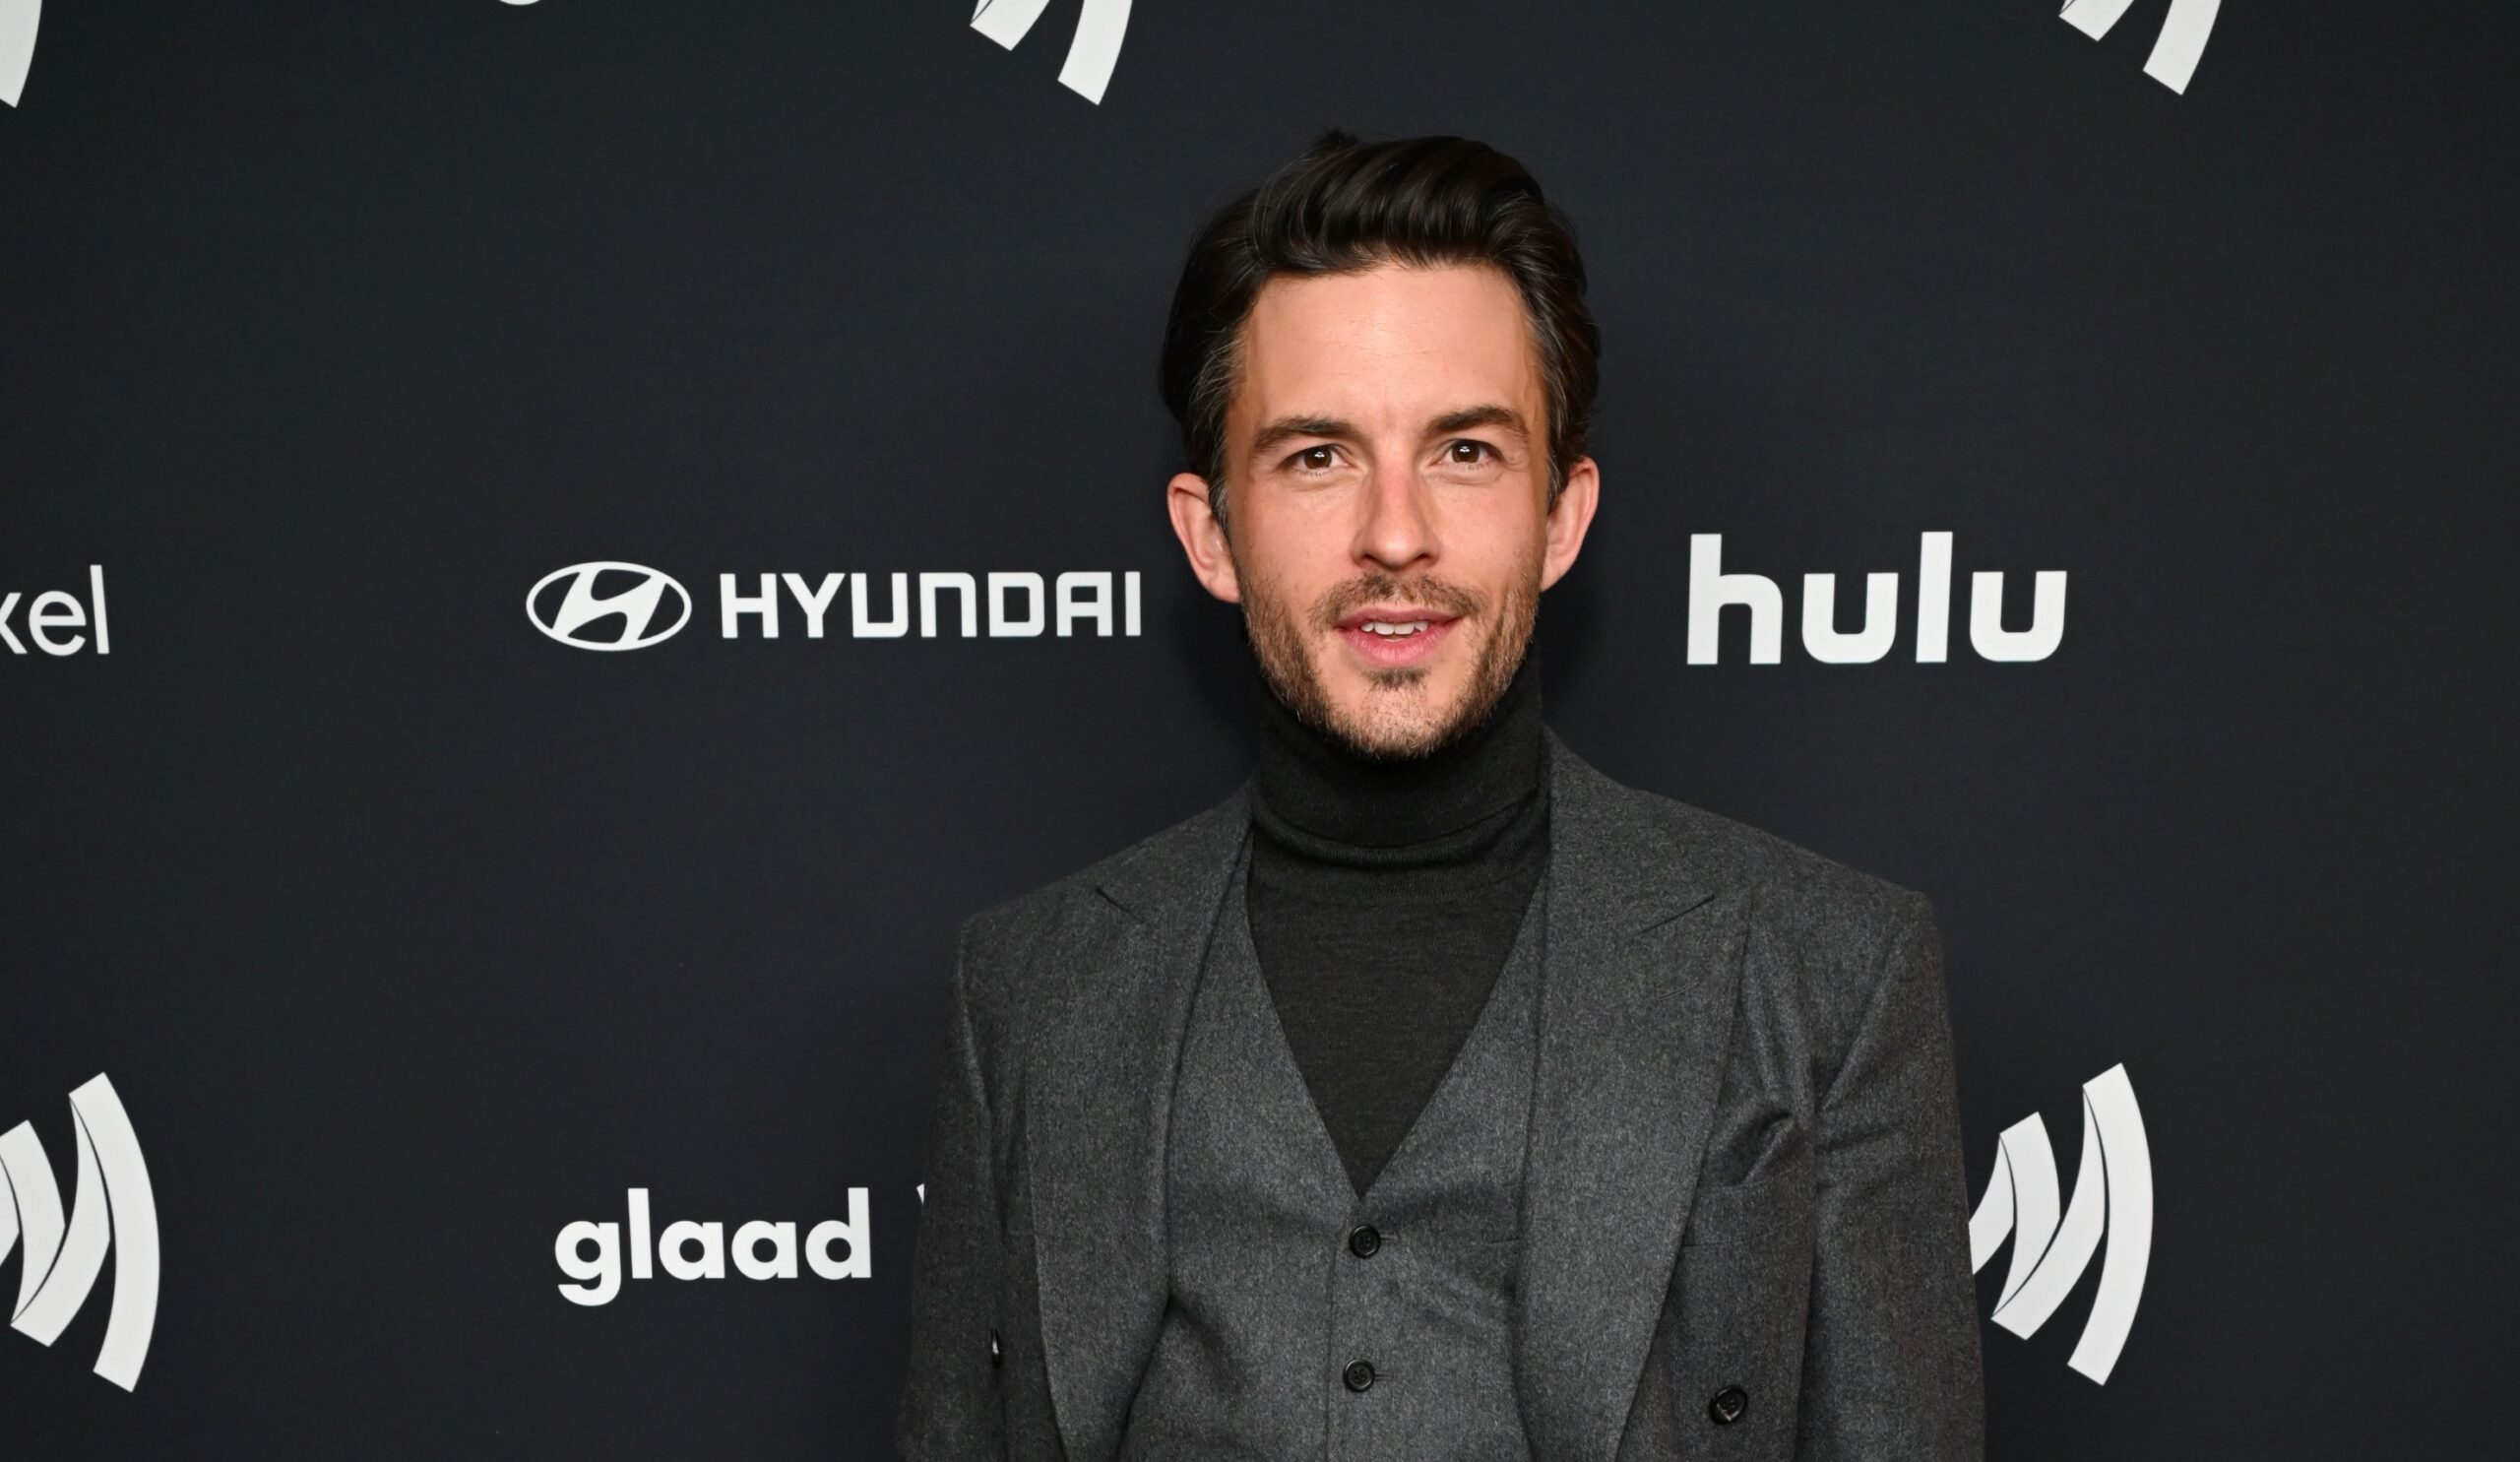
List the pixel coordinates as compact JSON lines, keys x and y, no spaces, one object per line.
{"x":1302,"y":1321}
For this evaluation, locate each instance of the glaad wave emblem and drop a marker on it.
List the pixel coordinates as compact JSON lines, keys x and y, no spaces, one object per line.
{"x":1090,"y":56}
{"x":2175,"y":51}
{"x":115,"y":1209}
{"x":17,"y":21}
{"x":2112,"y":1193}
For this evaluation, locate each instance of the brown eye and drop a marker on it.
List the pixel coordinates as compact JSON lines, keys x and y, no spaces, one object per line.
{"x":1469,"y":454}
{"x":1316,"y":459}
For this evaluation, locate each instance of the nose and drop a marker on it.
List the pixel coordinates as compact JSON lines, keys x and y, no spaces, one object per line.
{"x":1396,"y":529}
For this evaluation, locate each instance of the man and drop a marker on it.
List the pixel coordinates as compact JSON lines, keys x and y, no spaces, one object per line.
{"x":1434,"y":1096}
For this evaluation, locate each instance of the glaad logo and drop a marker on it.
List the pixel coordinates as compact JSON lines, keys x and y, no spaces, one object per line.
{"x":2175,"y":51}
{"x":693,"y":1250}
{"x":17,"y":20}
{"x":1090,"y":56}
{"x":55,"y":610}
{"x":1711,"y":589}
{"x":115,"y":1209}
{"x":580,"y":606}
{"x":2114,"y":1191}
{"x":1019,"y":605}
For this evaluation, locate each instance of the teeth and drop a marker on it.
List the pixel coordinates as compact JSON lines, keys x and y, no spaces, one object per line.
{"x":1389,"y":630}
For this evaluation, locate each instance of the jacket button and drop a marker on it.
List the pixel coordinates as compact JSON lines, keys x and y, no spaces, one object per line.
{"x":1728,"y":1405}
{"x":1364,"y":1240}
{"x":996,"y":1353}
{"x":1358,"y":1375}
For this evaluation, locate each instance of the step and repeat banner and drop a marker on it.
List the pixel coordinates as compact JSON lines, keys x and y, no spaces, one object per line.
{"x":550,"y":552}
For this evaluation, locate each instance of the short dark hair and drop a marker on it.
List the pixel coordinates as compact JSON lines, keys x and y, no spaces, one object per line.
{"x":1347,"y":205}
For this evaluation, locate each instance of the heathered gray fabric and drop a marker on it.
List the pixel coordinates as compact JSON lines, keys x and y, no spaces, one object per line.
{"x":1269,"y":1302}
{"x":1744,"y":1165}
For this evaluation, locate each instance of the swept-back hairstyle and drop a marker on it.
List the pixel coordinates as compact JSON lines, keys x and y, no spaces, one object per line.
{"x":1347,"y":205}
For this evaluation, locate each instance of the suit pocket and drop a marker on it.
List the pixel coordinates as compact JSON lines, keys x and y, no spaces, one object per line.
{"x":1737,"y":1313}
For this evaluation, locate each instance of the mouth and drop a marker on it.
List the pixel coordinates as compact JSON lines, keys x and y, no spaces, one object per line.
{"x":1395,"y":637}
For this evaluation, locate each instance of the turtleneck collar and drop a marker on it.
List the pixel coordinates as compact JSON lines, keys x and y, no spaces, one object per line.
{"x":1321,"y":802}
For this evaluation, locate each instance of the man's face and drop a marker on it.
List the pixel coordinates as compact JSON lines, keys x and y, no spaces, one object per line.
{"x":1387,"y":481}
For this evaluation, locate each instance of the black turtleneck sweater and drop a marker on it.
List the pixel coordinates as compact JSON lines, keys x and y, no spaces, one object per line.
{"x":1384,"y":896}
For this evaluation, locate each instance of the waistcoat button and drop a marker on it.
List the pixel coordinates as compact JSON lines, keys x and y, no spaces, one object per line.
{"x":1363,"y":1241}
{"x":1358,"y":1375}
{"x":1728,"y":1405}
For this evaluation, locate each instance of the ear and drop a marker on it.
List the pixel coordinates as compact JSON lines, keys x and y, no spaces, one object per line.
{"x":1203,"y":539}
{"x":1569,"y":517}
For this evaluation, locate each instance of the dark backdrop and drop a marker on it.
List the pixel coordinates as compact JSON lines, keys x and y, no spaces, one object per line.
{"x":410,"y":936}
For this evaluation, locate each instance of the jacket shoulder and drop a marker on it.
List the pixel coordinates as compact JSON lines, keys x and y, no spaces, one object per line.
{"x":1000,"y":947}
{"x":1796,"y":889}
{"x":1826,"y":941}
{"x":1823,"y":936}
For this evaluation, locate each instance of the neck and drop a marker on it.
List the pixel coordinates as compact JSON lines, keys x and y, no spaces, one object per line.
{"x":1318,"y":797}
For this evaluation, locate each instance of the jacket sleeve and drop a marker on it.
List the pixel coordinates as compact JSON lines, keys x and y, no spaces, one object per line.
{"x":1891,"y":1369}
{"x":951,"y":1408}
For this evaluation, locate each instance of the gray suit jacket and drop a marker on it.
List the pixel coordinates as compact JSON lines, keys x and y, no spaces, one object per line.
{"x":1745,"y":1166}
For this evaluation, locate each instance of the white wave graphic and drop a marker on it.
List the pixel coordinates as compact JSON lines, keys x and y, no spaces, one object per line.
{"x":115,"y":1209}
{"x":2113,"y":1195}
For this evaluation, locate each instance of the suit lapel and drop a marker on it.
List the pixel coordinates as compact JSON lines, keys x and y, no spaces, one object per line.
{"x":1643,"y":958}
{"x":1099,"y":1076}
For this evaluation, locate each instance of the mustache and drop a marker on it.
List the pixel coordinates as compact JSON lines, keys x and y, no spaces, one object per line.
{"x":1367,"y":589}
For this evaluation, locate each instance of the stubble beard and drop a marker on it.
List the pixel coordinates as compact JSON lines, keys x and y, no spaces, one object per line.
{"x":1395,"y":724}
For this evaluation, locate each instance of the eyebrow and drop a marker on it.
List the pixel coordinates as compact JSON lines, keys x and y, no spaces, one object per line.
{"x":1289,"y":428}
{"x":1503,"y":418}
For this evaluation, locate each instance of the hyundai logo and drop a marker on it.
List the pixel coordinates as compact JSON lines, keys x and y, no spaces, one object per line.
{"x":580,"y":610}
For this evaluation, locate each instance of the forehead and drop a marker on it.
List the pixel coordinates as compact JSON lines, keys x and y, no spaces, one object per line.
{"x":1393,"y":345}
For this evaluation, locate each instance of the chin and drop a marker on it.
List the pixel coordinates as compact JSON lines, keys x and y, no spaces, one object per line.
{"x":1395,"y":719}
